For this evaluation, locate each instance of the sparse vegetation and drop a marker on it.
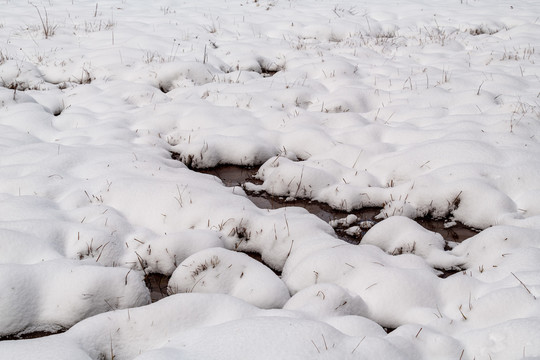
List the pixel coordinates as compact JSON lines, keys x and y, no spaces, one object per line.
{"x":357,"y":114}
{"x":46,"y":26}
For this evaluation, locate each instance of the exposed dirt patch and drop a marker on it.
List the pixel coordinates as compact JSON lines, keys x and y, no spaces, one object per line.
{"x":456,"y":233}
{"x":232,"y":175}
{"x":157,"y":284}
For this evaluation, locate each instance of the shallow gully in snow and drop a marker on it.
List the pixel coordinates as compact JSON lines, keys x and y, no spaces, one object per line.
{"x":233,"y":175}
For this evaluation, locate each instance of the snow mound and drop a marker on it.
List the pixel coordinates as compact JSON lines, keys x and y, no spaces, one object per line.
{"x":20,"y":75}
{"x":401,"y":235}
{"x":322,"y":300}
{"x":163,"y":254}
{"x":218,"y":270}
{"x":55,"y":295}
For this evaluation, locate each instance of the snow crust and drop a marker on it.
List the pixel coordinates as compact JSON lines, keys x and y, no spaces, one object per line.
{"x":419,"y":108}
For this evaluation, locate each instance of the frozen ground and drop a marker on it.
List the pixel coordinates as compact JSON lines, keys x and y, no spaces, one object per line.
{"x":424,"y":108}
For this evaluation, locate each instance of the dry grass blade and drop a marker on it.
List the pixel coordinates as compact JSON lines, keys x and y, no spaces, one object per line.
{"x":315,"y":346}
{"x":525,"y":286}
{"x":102,"y":248}
{"x":48,"y":29}
{"x":352,"y":352}
{"x":299,"y":182}
{"x":141,"y":262}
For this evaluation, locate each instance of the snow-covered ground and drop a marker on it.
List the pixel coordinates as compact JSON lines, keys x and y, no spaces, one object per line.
{"x":423,"y":108}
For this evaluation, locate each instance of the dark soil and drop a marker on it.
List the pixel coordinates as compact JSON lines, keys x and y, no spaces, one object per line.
{"x":444,"y":273}
{"x":30,"y":335}
{"x":157,"y":284}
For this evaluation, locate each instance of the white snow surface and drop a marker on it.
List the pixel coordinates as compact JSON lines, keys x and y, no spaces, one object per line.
{"x":218,"y":270}
{"x":422,"y":108}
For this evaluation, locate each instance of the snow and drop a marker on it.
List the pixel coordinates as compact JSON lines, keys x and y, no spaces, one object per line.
{"x":35,"y":298}
{"x":419,"y":108}
{"x":399,"y":234}
{"x":222,"y":271}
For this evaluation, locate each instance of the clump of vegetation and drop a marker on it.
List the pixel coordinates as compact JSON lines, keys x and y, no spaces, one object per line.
{"x":47,"y":28}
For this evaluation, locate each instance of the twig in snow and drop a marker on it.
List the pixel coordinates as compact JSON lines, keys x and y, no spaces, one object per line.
{"x":48,"y":29}
{"x":324,"y":340}
{"x":299,"y":182}
{"x":141,"y":262}
{"x":112,"y":351}
{"x":358,"y":345}
{"x":525,"y":286}
{"x":315,"y":346}
{"x":179,"y":198}
{"x":462,"y":314}
{"x":371,"y":285}
{"x":109,"y":304}
{"x":101,"y":252}
{"x":340,"y":305}
{"x":457,"y":199}
{"x":196,"y":282}
{"x":478,"y":92}
{"x":127,"y":274}
{"x":290,"y":249}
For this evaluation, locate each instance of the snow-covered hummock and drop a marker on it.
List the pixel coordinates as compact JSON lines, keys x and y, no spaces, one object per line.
{"x":422,"y":108}
{"x":218,"y":270}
